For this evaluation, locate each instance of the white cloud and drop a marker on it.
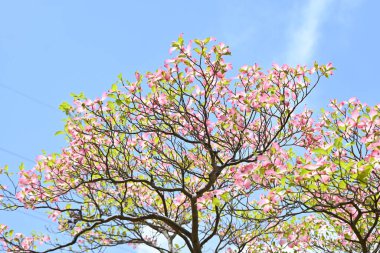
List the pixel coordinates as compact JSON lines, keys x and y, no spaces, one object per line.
{"x":304,"y":36}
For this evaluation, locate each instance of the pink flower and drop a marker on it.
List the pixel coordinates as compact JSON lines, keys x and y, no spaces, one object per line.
{"x":24,"y":181}
{"x":172,"y":49}
{"x":267,"y":208}
{"x":20,"y":195}
{"x":325,"y":179}
{"x":27,"y":243}
{"x":247,"y":183}
{"x":355,"y":115}
{"x":40,"y":158}
{"x":138,"y":76}
{"x":54,"y":215}
{"x":162,"y":100}
{"x":219,"y":74}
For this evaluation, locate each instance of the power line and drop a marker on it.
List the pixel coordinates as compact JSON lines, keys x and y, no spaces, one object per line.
{"x":17,"y":155}
{"x":36,"y":217}
{"x":36,"y":100}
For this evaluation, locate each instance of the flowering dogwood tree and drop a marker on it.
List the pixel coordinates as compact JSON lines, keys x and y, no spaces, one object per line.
{"x":337,"y":179}
{"x":169,"y":153}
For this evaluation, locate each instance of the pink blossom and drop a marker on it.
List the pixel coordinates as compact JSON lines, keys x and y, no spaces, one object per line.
{"x":325,"y":179}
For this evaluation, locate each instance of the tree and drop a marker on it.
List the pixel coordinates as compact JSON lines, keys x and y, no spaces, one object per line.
{"x":337,"y":180}
{"x":171,"y":162}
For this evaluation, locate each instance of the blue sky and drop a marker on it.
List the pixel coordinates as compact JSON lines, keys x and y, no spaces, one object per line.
{"x":49,"y":49}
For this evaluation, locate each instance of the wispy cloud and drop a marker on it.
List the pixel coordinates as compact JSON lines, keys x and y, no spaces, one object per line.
{"x":304,"y":36}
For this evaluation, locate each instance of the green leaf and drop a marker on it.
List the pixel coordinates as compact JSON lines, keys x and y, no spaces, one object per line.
{"x":118,"y":102}
{"x":198,"y":50}
{"x":94,"y":177}
{"x":59,"y":133}
{"x":111,"y":95}
{"x":283,"y":181}
{"x":198,"y":42}
{"x":114,"y":87}
{"x":111,"y":105}
{"x":79,"y":96}
{"x":320,"y":151}
{"x":175,"y":44}
{"x":65,"y":107}
{"x":304,"y":172}
{"x":180,"y":41}
{"x":225,"y":196}
{"x":363,"y":176}
{"x":129,"y":202}
{"x":338,"y":143}
{"x":342,"y":185}
{"x":313,"y":186}
{"x":216,"y":201}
